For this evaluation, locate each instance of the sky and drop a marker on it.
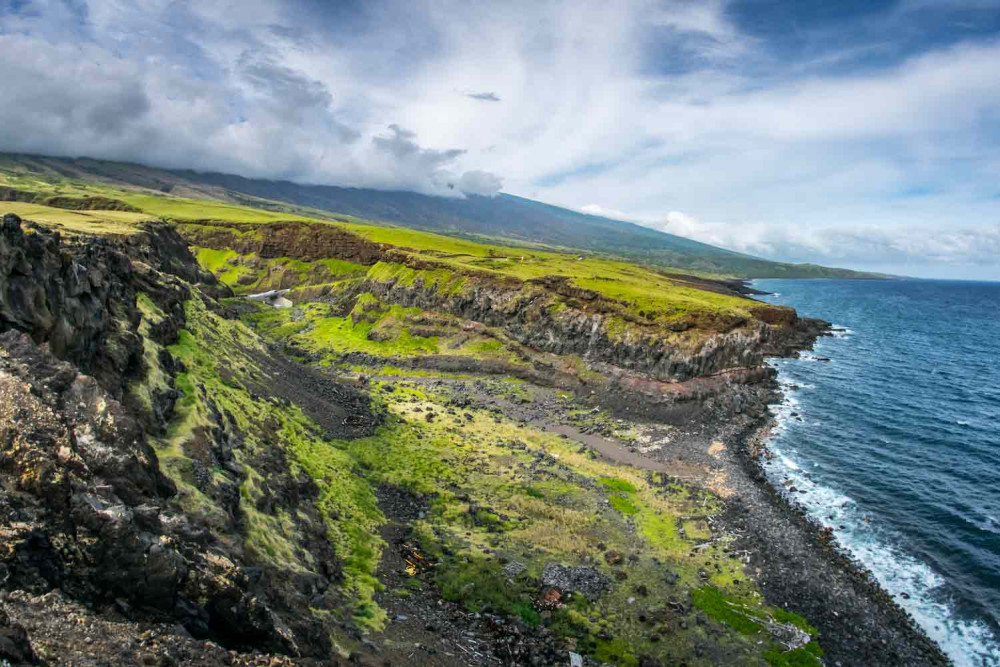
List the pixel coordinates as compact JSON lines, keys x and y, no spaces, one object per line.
{"x":863,"y":134}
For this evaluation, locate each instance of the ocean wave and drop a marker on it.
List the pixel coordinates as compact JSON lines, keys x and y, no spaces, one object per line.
{"x":784,"y":413}
{"x":984,"y":522}
{"x":812,"y":356}
{"x":794,"y":385}
{"x":914,"y":584}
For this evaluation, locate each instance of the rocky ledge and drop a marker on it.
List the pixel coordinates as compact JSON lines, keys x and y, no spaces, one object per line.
{"x":86,"y":512}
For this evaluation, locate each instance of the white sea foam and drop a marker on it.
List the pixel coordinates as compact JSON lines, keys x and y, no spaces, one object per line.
{"x":967,"y":643}
{"x":841,"y":332}
{"x":790,"y":464}
{"x":810,"y":356}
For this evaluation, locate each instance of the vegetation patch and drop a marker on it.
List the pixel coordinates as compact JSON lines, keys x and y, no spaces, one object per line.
{"x":121,"y":223}
{"x":617,"y":485}
{"x":725,"y":610}
{"x":213,"y":399}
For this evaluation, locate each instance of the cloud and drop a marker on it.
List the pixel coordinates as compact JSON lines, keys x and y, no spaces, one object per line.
{"x":899,"y":249}
{"x":480,"y":183}
{"x":180,"y":87}
{"x":46,"y":105}
{"x":840,"y":134}
{"x":483,"y":97}
{"x":402,"y":145}
{"x":410,"y":163}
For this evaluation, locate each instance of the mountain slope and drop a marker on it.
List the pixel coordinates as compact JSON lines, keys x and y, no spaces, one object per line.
{"x":504,"y":217}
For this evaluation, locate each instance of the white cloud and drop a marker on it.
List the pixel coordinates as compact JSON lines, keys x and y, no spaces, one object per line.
{"x":646,"y":107}
{"x":971,"y":247}
{"x":180,"y":86}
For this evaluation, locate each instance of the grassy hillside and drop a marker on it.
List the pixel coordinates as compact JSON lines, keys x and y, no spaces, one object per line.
{"x":637,"y":291}
{"x":503,"y":219}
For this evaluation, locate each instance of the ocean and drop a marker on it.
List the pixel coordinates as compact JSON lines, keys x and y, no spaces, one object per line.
{"x":890,"y":434}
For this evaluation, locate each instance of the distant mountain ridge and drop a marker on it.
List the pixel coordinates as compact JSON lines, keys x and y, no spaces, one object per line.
{"x":503,"y":217}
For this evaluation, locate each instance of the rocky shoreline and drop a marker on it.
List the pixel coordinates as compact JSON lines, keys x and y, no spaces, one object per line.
{"x":793,"y":558}
{"x":800,"y":566}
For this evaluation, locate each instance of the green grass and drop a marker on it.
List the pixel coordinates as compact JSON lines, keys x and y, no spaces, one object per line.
{"x":84,"y":222}
{"x":617,"y":485}
{"x":784,"y":616}
{"x":342,"y":334}
{"x":623,"y":505}
{"x":214,"y":260}
{"x":806,"y":656}
{"x":382,"y":331}
{"x":481,"y":584}
{"x":644,"y":294}
{"x":351,"y":511}
{"x":643,"y":289}
{"x":249,"y":274}
{"x":718,"y":606}
{"x":180,"y":209}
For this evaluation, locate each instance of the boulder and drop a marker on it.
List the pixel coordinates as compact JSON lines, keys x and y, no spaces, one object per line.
{"x":576,"y":579}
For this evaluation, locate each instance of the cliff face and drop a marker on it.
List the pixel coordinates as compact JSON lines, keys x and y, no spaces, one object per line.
{"x":548,"y":313}
{"x":88,"y":511}
{"x":291,"y":239}
{"x":535,"y":318}
{"x":77,"y":302}
{"x":87,"y":506}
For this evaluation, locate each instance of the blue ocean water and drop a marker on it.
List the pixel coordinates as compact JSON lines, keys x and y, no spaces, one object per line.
{"x":890,"y":432}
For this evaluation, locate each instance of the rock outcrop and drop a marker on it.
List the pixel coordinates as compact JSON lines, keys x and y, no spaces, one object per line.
{"x":86,"y":507}
{"x":87,"y":510}
{"x":533,"y":318}
{"x":298,"y":240}
{"x":80,"y":303}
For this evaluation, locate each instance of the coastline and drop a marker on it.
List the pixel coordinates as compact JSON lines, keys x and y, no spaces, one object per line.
{"x":799,"y":565}
{"x":703,"y":431}
{"x":793,"y":559}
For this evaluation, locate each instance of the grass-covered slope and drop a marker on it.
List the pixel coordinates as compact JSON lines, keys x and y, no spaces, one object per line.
{"x":638,"y":292}
{"x":500,"y":519}
{"x":509,"y":219}
{"x":494,"y":492}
